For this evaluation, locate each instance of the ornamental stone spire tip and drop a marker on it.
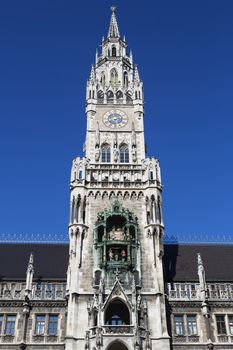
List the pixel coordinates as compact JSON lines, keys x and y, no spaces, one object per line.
{"x":113,"y":31}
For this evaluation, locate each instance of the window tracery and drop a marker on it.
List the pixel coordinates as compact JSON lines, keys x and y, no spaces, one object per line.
{"x":124,"y":153}
{"x":105,"y":153}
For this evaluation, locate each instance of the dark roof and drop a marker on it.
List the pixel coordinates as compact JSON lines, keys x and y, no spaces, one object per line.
{"x":180,"y":261}
{"x":50,"y":261}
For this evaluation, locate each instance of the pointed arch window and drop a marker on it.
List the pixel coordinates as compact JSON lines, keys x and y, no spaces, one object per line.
{"x":119,"y":95}
{"x":113,"y":51}
{"x":100,"y":96}
{"x":129,"y":99}
{"x":124,"y":154}
{"x":105,"y":153}
{"x":117,"y":313}
{"x":110,"y":97}
{"x":126,"y":81}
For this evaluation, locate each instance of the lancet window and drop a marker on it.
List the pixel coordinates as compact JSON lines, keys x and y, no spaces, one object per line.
{"x":124,"y":153}
{"x":126,"y":81}
{"x":110,"y":96}
{"x":105,"y":153}
{"x":119,"y":96}
{"x":100,"y":96}
{"x":113,"y":51}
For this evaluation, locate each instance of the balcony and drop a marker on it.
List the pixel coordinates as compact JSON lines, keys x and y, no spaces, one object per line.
{"x":123,"y":329}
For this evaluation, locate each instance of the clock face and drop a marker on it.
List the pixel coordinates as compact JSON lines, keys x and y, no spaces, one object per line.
{"x":115,"y":119}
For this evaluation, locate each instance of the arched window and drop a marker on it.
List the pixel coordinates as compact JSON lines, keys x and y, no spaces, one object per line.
{"x":100,"y":96}
{"x":110,"y":97}
{"x":105,"y":153}
{"x":113,"y":51}
{"x":119,"y":95}
{"x":124,"y":154}
{"x":129,"y":99}
{"x":117,"y":345}
{"x":113,"y":77}
{"x":126,"y":79}
{"x":117,"y":313}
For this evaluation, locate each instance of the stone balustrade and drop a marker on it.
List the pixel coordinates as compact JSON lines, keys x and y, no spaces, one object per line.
{"x":122,"y":329}
{"x":40,"y":291}
{"x":191,"y":291}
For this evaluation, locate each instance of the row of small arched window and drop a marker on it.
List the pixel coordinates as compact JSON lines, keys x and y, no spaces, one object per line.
{"x":110,"y":96}
{"x":106,"y":153}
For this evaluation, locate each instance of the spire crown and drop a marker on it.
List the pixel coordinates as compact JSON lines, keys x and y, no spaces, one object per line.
{"x":113,"y":31}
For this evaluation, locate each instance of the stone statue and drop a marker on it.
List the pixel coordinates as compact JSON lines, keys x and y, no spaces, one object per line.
{"x":115,"y":154}
{"x":111,"y":254}
{"x":123,"y":255}
{"x":112,"y":234}
{"x":134,"y":154}
{"x":97,"y":153}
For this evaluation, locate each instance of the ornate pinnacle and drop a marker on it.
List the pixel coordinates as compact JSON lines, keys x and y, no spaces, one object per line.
{"x":30,"y":263}
{"x":199,"y":259}
{"x":113,"y":31}
{"x":92,"y":74}
{"x":136,"y":74}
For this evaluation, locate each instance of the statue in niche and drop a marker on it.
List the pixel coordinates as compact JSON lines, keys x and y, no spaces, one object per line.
{"x":111,"y":254}
{"x":134,"y":154}
{"x":97,"y":153}
{"x":115,"y":154}
{"x":123,"y":255}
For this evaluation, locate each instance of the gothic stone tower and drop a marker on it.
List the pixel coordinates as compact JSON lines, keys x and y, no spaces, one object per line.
{"x":115,"y":282}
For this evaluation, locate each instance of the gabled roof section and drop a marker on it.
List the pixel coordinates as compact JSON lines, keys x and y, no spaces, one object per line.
{"x":117,"y":292}
{"x":113,"y":31}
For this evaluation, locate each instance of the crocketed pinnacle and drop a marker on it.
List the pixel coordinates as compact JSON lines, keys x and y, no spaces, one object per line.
{"x":113,"y":31}
{"x":92,"y":74}
{"x":136,"y":74}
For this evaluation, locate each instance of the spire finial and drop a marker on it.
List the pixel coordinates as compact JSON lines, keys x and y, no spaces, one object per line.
{"x":113,"y":31}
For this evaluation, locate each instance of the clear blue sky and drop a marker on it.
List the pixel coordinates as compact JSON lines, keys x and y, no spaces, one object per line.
{"x":184,"y":51}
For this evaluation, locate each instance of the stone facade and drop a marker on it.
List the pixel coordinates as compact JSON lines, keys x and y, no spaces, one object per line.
{"x":115,"y":295}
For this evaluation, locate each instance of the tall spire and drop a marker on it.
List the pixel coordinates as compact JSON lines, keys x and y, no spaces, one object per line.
{"x":113,"y":31}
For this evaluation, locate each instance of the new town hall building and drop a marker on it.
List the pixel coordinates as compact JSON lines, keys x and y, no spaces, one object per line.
{"x":116,"y":285}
